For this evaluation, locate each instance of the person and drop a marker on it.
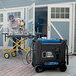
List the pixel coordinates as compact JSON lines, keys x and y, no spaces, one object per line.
{"x":14,"y":28}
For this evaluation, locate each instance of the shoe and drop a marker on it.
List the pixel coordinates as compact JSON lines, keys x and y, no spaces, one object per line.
{"x":20,"y":52}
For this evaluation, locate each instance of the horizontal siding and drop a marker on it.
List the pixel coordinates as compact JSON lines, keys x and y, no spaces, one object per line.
{"x":20,"y":3}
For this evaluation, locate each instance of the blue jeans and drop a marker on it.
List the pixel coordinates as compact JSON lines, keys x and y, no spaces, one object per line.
{"x":16,"y":41}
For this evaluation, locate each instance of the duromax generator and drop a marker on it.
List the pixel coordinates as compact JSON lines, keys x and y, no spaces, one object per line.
{"x":50,"y":54}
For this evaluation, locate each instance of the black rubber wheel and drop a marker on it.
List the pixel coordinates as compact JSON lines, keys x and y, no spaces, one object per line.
{"x":39,"y":69}
{"x":63,"y":68}
{"x":6,"y":55}
{"x":13,"y":54}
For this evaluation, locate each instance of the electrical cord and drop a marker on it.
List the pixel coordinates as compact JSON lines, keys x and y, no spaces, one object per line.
{"x":25,"y":58}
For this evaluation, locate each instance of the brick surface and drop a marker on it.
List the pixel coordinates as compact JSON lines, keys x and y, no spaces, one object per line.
{"x":15,"y":66}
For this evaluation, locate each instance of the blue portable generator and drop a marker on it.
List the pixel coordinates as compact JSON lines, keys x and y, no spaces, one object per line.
{"x":49,"y":54}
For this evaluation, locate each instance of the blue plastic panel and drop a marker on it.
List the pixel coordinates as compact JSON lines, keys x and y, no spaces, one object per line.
{"x":49,"y":41}
{"x":51,"y":63}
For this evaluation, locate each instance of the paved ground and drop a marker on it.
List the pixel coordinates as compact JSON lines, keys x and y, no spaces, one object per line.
{"x":17,"y":66}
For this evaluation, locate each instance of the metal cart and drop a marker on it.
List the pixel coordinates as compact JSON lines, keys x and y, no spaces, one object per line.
{"x":21,"y":41}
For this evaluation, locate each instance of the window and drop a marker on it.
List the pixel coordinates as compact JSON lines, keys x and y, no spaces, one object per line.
{"x":57,"y":12}
{"x":60,"y":13}
{"x":30,"y":14}
{"x":1,"y":17}
{"x":52,"y":12}
{"x":15,"y":14}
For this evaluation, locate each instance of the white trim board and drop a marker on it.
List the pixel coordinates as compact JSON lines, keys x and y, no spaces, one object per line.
{"x":73,"y":22}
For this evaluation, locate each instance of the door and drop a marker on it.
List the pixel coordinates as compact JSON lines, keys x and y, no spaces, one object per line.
{"x":30,"y":22}
{"x":60,"y":23}
{"x":31,"y":19}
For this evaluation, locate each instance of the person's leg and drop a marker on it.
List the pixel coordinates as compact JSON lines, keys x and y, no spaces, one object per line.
{"x":14,"y":44}
{"x":19,"y":48}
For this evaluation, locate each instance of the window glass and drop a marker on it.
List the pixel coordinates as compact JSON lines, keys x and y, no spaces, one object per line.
{"x":66,"y":12}
{"x":30,"y":14}
{"x":60,"y":13}
{"x":15,"y":14}
{"x":53,"y":9}
{"x":57,"y":12}
{"x":66,"y":15}
{"x":52,"y":15}
{"x":52,"y":12}
{"x":1,"y":17}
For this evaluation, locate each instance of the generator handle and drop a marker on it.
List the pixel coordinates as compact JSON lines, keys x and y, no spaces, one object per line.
{"x":67,"y":55}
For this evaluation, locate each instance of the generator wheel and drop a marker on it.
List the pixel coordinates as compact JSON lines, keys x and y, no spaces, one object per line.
{"x":28,"y":57}
{"x":39,"y":69}
{"x":6,"y":55}
{"x":63,"y":68}
{"x":13,"y":54}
